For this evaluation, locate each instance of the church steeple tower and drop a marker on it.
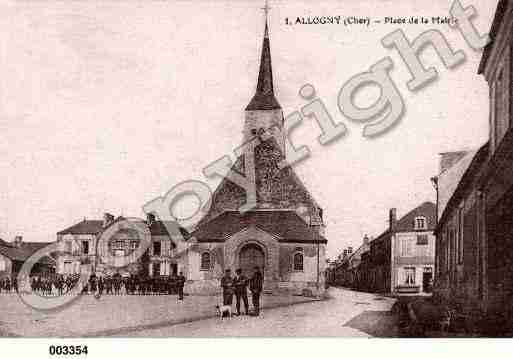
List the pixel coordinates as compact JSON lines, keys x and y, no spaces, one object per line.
{"x":264,"y":112}
{"x":264,"y":96}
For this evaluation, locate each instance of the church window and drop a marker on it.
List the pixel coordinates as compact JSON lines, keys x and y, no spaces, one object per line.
{"x":205,"y":261}
{"x":298,"y":261}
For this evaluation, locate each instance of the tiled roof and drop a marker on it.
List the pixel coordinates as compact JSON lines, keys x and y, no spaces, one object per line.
{"x":407,"y":222}
{"x":281,"y":188}
{"x":497,"y":20}
{"x":87,"y":226}
{"x":21,"y":253}
{"x":286,"y":225}
{"x":471,"y":170}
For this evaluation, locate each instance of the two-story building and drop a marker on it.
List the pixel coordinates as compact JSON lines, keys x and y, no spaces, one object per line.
{"x":401,"y":259}
{"x":79,"y":248}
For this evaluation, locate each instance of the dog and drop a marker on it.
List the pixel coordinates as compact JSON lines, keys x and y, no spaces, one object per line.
{"x":224,"y":311}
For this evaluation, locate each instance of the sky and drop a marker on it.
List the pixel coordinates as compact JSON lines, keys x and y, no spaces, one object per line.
{"x":106,"y":105}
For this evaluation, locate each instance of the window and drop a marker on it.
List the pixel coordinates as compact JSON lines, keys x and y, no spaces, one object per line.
{"x":409,"y":275}
{"x":85,"y":247}
{"x":298,"y":261}
{"x":2,"y":264}
{"x":156,"y":269}
{"x":156,"y":248}
{"x":68,"y":247}
{"x":407,"y":247}
{"x":420,"y":223}
{"x":205,"y":261}
{"x":460,"y":235}
{"x":68,"y":267}
{"x":422,"y":239}
{"x":134,"y":244}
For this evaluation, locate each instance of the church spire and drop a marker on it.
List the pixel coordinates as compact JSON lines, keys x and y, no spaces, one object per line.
{"x":264,"y":96}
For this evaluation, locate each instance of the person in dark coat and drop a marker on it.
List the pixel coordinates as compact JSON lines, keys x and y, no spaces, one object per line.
{"x":227,"y":285}
{"x":180,"y":283}
{"x":101,"y":285}
{"x":255,"y":286}
{"x":240,"y":285}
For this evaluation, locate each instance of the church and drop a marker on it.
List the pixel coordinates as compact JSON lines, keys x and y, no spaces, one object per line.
{"x":283,"y":233}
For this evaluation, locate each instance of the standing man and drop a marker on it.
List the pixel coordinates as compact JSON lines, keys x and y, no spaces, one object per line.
{"x":240,"y":284}
{"x":227,"y":285}
{"x":180,"y":282}
{"x":255,"y":286}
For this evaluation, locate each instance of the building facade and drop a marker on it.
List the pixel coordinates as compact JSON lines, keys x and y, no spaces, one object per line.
{"x":80,"y":248}
{"x":401,"y":259}
{"x":475,"y":259}
{"x":460,"y":248}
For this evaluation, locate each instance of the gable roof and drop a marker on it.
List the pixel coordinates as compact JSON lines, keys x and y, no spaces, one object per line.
{"x":281,"y":188}
{"x":24,"y":251}
{"x":497,"y":21}
{"x":407,"y":222}
{"x":478,"y":160}
{"x":286,"y":225}
{"x":87,"y":226}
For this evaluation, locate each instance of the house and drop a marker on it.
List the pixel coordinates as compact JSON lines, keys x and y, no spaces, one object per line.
{"x":79,"y":248}
{"x":475,"y":257}
{"x":346,"y":270}
{"x":460,"y":249}
{"x":401,"y":259}
{"x":14,"y":254}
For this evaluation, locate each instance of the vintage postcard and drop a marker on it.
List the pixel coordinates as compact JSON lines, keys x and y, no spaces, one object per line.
{"x":255,"y":168}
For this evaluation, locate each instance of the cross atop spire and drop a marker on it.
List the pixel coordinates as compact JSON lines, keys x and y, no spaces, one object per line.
{"x":264,"y":97}
{"x":266,"y":9}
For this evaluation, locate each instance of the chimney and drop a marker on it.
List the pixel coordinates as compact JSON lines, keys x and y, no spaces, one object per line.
{"x":107,"y":219}
{"x":392,"y":218}
{"x":365,"y":240}
{"x":18,"y":240}
{"x":150,"y":219}
{"x":449,"y":159}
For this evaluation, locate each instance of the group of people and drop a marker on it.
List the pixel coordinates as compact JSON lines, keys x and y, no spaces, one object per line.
{"x":59,"y":284}
{"x":7,"y":285}
{"x":135,"y":285}
{"x":238,"y":285}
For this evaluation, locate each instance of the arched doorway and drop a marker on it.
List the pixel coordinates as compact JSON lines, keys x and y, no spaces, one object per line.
{"x":251,"y":256}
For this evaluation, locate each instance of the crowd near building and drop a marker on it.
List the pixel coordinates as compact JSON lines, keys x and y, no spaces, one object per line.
{"x":282,"y":235}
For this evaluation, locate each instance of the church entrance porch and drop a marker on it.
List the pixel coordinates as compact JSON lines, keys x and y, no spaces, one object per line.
{"x":251,"y":255}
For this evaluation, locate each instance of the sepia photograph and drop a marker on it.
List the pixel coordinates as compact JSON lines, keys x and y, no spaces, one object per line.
{"x":255,"y":168}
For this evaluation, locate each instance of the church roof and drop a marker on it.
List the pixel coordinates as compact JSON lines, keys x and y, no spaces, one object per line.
{"x":264,"y":96}
{"x":287,"y":226}
{"x":276,"y":188}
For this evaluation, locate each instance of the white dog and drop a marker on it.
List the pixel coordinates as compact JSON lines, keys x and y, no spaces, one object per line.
{"x":224,"y":311}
